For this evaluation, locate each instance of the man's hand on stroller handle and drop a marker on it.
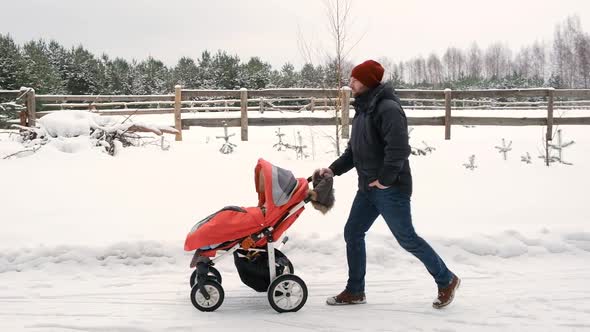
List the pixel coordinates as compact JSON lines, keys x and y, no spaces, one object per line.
{"x":326,"y":171}
{"x":321,"y":172}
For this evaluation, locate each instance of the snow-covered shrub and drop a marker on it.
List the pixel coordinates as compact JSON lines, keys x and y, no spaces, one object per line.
{"x":72,"y":131}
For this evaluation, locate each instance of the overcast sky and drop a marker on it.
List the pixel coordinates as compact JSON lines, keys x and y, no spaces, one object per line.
{"x":269,"y":29}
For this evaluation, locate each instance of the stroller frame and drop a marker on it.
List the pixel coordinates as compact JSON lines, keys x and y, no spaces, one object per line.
{"x":207,"y":287}
{"x":269,"y":245}
{"x":249,"y":233}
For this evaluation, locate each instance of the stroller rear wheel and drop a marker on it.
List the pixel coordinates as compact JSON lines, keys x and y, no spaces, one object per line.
{"x":213,"y":275}
{"x":214,"y":292}
{"x":287,"y":293}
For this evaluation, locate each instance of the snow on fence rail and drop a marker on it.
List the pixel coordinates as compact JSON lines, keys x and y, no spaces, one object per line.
{"x":298,"y":100}
{"x":9,"y":93}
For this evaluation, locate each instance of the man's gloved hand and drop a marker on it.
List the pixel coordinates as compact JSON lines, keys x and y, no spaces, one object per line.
{"x":325,"y":171}
{"x":323,"y":192}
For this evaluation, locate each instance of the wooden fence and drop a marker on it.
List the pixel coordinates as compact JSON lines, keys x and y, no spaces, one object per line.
{"x":28,"y":96}
{"x":312,"y":100}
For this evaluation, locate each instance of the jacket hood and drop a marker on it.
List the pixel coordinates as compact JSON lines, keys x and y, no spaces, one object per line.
{"x":369,"y":100}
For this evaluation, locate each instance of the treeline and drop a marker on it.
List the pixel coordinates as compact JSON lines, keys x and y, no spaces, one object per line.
{"x":51,"y":68}
{"x":564,"y":64}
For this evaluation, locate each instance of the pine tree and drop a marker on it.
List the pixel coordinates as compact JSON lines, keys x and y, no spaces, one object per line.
{"x":226,"y":69}
{"x":288,"y":76}
{"x":205,"y":76}
{"x":274,"y":79}
{"x":137,"y":81}
{"x":255,"y":74}
{"x":186,"y":73}
{"x":40,"y":74}
{"x":330,"y":75}
{"x":309,"y":77}
{"x":153,"y":77}
{"x":83,"y":75}
{"x":60,"y":61}
{"x":118,"y":76}
{"x":10,"y":64}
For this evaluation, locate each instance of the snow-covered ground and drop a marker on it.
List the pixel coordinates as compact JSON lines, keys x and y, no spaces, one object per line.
{"x":91,"y":242}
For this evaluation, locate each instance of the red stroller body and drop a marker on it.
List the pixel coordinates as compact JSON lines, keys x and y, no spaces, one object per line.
{"x":249,"y":233}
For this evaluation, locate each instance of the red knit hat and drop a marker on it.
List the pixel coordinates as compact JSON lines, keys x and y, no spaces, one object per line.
{"x":369,"y":73}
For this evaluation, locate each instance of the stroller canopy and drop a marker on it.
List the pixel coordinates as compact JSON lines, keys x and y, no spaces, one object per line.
{"x":278,"y":190}
{"x":275,"y":186}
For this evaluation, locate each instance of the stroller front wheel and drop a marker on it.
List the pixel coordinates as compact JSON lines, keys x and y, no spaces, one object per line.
{"x":287,"y":293}
{"x":214,"y":292}
{"x":213,"y":275}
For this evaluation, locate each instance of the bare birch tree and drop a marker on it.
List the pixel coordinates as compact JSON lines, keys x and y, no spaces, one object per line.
{"x":583,"y":54}
{"x":336,"y":57}
{"x":497,"y":61}
{"x":474,"y":62}
{"x":435,"y":70}
{"x":539,"y":61}
{"x":454,"y":62}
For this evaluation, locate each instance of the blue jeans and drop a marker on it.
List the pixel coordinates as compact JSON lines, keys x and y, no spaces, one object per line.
{"x":394,"y":206}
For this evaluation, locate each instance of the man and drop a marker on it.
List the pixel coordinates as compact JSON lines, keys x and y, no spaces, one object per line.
{"x":378,"y":148}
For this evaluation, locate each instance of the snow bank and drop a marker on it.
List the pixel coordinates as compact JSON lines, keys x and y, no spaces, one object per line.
{"x":73,"y":123}
{"x":128,"y":254}
{"x":382,"y":250}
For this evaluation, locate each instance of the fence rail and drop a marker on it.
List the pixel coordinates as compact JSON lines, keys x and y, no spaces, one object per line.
{"x":99,"y":98}
{"x":304,"y":100}
{"x":9,"y":94}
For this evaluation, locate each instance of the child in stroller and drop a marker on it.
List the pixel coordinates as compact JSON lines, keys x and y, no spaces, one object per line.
{"x":250,"y":234}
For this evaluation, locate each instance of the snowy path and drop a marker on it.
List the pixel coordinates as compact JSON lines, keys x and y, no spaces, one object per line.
{"x":547,"y":293}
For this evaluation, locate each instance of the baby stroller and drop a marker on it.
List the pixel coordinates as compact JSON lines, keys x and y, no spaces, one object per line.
{"x":250,"y":235}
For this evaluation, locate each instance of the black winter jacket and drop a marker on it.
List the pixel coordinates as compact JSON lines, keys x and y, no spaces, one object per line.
{"x":378,"y":147}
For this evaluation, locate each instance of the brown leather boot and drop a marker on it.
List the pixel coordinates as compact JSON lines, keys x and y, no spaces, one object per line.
{"x":347,"y":298}
{"x":447,"y":294}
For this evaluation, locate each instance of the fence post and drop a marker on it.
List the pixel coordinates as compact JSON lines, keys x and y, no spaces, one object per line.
{"x":345,"y":102}
{"x":177,"y":111}
{"x":549,"y":135}
{"x":448,"y":114}
{"x":23,"y":118}
{"x":244,"y":115}
{"x":31,"y":106}
{"x":550,"y":100}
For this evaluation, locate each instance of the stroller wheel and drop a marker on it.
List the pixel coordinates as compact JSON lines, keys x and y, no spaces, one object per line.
{"x":287,"y":293}
{"x":213,"y":275}
{"x":216,"y":296}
